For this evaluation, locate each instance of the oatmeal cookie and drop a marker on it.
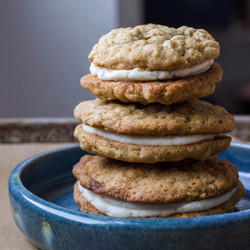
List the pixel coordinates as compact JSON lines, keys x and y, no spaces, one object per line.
{"x":166,"y":92}
{"x":194,"y":117}
{"x":225,"y":207}
{"x":154,"y":47}
{"x":167,"y":182}
{"x":96,"y":144}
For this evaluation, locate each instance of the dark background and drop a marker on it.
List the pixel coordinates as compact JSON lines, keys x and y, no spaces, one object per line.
{"x":229,"y":23}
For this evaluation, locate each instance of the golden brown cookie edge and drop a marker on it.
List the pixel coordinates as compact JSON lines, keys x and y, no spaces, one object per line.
{"x":164,"y":92}
{"x":226,"y":207}
{"x":96,"y":144}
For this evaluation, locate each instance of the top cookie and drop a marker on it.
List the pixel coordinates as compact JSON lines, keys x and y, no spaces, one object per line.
{"x":154,"y":47}
{"x":194,"y":117}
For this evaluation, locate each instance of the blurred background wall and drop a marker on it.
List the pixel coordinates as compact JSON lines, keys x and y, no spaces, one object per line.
{"x":44,"y":52}
{"x":44,"y":47}
{"x":229,"y":23}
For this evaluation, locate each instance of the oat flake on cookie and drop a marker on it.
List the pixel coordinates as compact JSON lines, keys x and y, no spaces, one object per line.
{"x":154,"y":47}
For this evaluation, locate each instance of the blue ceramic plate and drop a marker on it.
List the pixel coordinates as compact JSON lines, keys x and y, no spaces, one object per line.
{"x":40,"y":190}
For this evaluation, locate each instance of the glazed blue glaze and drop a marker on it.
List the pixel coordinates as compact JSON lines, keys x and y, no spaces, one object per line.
{"x":40,"y":191}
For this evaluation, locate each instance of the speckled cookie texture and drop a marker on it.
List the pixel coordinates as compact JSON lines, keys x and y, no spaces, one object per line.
{"x":195,"y":117}
{"x":165,"y":92}
{"x":183,"y":181}
{"x":154,"y":47}
{"x":225,"y":207}
{"x":96,"y":144}
{"x":155,"y":174}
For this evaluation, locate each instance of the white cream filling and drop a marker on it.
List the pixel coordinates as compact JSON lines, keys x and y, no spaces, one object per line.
{"x":137,"y":74}
{"x":118,"y":208}
{"x":167,"y":140}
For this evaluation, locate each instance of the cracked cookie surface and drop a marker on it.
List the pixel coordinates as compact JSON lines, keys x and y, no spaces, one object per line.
{"x":194,"y":117}
{"x":154,"y":47}
{"x":183,"y":181}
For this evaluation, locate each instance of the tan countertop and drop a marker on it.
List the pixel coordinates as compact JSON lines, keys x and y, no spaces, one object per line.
{"x":10,"y":155}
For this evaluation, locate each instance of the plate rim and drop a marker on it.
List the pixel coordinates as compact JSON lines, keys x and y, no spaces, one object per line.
{"x":31,"y":201}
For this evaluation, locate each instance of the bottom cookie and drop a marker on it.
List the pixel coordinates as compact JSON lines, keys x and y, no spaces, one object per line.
{"x":96,"y":144}
{"x":225,"y":207}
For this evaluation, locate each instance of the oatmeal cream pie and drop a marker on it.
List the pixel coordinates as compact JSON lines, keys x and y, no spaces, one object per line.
{"x":154,"y":63}
{"x":175,"y":189}
{"x":152,"y":133}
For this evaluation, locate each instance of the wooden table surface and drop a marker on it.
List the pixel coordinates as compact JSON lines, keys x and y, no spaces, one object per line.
{"x":10,"y":155}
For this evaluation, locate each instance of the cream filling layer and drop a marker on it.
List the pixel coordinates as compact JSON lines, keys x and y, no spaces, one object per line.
{"x":138,"y":75}
{"x":118,"y":208}
{"x":167,"y":140}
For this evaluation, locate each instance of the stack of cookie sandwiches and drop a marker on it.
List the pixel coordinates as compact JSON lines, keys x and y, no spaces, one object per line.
{"x":155,"y":141}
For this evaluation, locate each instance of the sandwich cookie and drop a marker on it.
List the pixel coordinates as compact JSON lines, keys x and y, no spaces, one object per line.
{"x":152,"y":133}
{"x":174,"y":189}
{"x":162,"y":91}
{"x":154,"y":63}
